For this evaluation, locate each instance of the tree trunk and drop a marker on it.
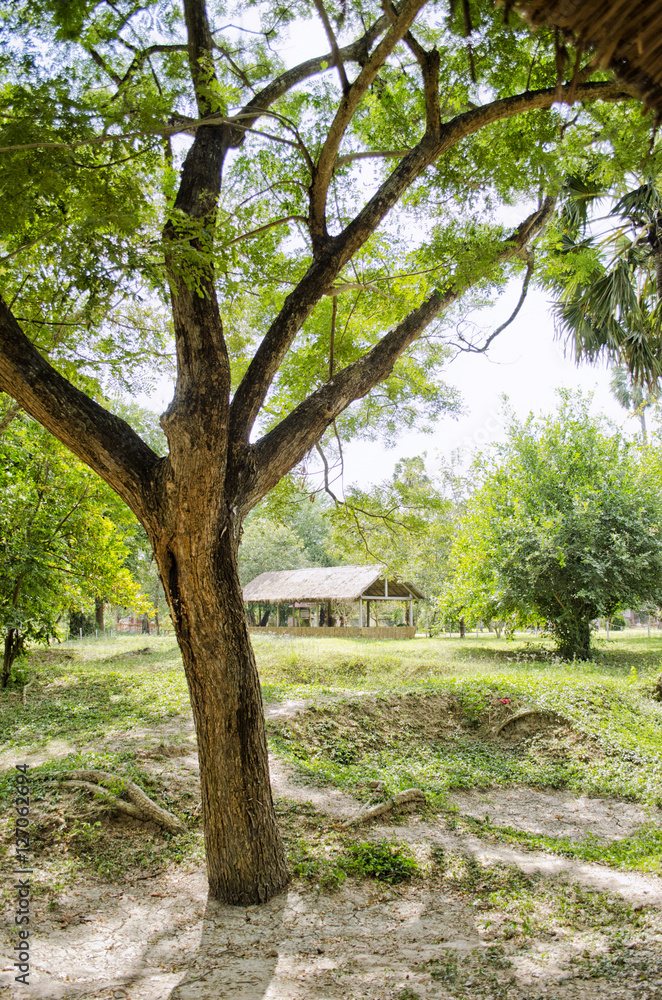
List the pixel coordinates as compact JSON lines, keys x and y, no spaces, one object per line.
{"x":144,"y":627}
{"x":11,"y":648}
{"x":644,"y":432}
{"x":245,"y":857}
{"x":573,"y":638}
{"x":98,"y":614}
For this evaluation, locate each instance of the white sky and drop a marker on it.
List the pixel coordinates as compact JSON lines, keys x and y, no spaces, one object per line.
{"x":525,"y":363}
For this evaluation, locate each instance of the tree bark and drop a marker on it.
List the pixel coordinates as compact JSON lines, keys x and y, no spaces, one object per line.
{"x":10,"y":651}
{"x":198,"y":565}
{"x":98,"y":614}
{"x":264,"y":620}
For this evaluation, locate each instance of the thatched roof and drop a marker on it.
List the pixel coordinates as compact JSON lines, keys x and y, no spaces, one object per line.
{"x":626,"y":34}
{"x":327,"y":583}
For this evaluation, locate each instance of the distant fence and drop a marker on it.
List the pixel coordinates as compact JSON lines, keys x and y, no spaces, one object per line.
{"x":350,"y":632}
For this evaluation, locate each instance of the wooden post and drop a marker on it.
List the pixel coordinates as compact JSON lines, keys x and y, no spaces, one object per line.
{"x":277,"y":614}
{"x":411,"y":612}
{"x":367,"y":603}
{"x":360,"y":612}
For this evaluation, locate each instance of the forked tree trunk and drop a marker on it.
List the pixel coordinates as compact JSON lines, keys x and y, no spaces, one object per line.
{"x":245,"y":857}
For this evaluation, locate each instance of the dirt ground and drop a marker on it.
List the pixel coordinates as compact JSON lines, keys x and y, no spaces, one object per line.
{"x":159,"y":938}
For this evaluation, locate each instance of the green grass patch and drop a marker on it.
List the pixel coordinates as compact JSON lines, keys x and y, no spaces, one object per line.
{"x":85,"y":690}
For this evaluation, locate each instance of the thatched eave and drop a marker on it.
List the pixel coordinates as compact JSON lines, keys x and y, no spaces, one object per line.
{"x":327,"y":583}
{"x":626,"y":36}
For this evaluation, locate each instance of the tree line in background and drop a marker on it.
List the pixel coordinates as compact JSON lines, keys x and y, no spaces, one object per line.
{"x":554,"y":528}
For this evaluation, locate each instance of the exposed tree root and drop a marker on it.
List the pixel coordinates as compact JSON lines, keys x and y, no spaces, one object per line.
{"x":523,"y":715}
{"x":140,"y":805}
{"x":368,"y":813}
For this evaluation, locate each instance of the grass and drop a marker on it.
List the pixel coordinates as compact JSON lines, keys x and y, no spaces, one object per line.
{"x":81,"y":691}
{"x":422,"y":723}
{"x":399,"y":712}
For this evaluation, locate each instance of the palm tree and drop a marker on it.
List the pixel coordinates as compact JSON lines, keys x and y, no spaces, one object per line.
{"x":632,"y":396}
{"x":608,"y":278}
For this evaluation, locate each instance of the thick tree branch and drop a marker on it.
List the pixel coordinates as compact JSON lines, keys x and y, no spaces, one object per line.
{"x":201,"y":59}
{"x":346,"y":110}
{"x":99,"y":438}
{"x":321,"y":274}
{"x":429,"y":64}
{"x":286,"y":445}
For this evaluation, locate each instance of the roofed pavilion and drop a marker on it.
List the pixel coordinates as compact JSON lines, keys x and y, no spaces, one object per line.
{"x":320,"y":589}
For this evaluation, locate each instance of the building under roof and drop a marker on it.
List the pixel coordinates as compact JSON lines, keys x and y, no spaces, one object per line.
{"x":626,"y":36}
{"x":318,"y":589}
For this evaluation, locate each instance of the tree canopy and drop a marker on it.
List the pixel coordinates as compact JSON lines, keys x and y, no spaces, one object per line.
{"x":63,"y":538}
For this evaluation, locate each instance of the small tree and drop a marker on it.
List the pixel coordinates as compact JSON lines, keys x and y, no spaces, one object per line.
{"x":268,"y":545}
{"x":403,"y":523}
{"x":565,"y":530}
{"x":632,"y":396}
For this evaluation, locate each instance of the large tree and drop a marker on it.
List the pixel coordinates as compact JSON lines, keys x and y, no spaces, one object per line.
{"x":326,"y":217}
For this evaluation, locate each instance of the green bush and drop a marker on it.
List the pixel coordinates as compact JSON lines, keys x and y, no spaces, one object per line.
{"x":381,"y":860}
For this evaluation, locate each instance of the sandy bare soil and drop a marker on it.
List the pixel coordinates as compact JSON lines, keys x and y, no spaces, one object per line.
{"x":557,"y":814}
{"x":159,"y":938}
